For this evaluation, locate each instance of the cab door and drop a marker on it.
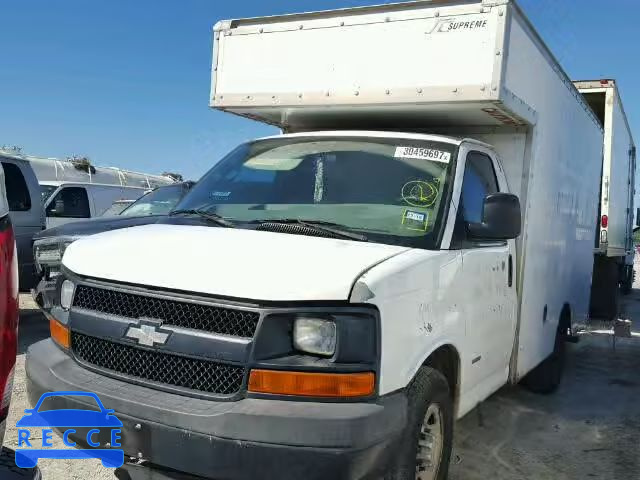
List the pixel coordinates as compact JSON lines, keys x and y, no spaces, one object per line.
{"x":488,"y":282}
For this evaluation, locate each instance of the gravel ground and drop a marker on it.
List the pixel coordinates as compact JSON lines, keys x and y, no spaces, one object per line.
{"x":589,"y":429}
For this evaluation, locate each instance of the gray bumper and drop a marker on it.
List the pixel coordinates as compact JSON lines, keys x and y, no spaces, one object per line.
{"x":249,"y":438}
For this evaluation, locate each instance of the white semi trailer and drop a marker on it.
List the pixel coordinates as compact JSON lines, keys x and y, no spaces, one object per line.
{"x":614,"y":246}
{"x":419,"y":236}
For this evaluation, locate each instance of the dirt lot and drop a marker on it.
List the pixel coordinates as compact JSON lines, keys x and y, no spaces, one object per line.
{"x":589,"y":429}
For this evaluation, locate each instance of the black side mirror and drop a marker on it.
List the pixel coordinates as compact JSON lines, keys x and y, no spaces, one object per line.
{"x":501,"y":218}
{"x":637,"y":217}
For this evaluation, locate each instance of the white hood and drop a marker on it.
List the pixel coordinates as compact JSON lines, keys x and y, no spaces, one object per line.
{"x":227,"y":262}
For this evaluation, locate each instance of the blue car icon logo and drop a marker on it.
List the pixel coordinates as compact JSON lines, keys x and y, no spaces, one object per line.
{"x":67,"y":420}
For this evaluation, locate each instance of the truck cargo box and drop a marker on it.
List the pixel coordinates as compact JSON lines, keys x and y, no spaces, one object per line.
{"x":394,"y":65}
{"x":618,"y":168}
{"x":614,"y":245}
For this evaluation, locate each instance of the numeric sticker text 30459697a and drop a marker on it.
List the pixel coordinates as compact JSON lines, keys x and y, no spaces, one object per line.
{"x":423,"y":154}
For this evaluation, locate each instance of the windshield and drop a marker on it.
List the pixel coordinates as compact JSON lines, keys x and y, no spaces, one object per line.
{"x":157,"y":202}
{"x":116,"y":208}
{"x":390,"y":189}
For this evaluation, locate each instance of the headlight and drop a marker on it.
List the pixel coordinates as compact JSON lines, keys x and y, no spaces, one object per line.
{"x":315,"y":335}
{"x":66,"y":294}
{"x":48,"y":254}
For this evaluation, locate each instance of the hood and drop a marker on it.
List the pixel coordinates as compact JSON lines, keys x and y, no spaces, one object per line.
{"x":96,"y":225}
{"x":228,"y":262}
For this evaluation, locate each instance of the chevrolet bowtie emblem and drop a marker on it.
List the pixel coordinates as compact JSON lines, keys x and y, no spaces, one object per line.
{"x":147,"y":335}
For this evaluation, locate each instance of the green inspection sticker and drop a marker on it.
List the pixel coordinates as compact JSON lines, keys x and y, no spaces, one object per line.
{"x":415,"y":220}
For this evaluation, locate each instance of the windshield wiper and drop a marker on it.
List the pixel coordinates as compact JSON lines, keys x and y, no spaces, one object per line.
{"x":320,"y":226}
{"x":210,"y":216}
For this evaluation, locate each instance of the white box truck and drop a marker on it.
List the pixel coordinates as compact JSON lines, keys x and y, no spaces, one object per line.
{"x":614,"y":246}
{"x":419,"y":236}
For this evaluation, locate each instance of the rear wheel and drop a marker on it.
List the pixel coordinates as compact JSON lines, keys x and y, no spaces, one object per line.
{"x":425,"y":448}
{"x":546,"y":377}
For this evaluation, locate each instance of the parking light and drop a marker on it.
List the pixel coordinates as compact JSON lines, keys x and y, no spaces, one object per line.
{"x":312,"y":384}
{"x":59,"y":333}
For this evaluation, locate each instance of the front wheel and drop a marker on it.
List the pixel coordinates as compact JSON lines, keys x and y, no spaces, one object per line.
{"x":425,"y":448}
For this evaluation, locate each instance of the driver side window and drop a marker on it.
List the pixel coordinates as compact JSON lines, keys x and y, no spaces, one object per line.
{"x":479,"y":181}
{"x":70,"y":202}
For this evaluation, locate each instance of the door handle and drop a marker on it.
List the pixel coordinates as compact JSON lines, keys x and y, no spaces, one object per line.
{"x":510,"y":273}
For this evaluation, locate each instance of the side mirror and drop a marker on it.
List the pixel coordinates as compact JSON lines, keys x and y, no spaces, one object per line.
{"x":637,"y":217}
{"x":501,"y":218}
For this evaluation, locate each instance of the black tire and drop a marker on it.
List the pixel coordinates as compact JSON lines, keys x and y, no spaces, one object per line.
{"x":429,"y":387}
{"x":546,"y":377}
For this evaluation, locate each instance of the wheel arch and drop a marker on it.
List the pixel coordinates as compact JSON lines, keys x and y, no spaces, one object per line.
{"x":446,"y":360}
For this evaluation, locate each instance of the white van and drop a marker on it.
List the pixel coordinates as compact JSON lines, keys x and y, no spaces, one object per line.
{"x":323,"y":304}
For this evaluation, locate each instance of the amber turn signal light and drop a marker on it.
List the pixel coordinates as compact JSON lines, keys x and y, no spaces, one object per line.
{"x":311,"y":384}
{"x":59,"y":333}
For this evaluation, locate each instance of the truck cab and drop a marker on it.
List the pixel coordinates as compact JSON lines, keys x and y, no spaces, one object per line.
{"x":312,"y":259}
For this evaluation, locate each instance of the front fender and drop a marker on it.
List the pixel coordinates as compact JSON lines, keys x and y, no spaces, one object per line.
{"x":420,"y":309}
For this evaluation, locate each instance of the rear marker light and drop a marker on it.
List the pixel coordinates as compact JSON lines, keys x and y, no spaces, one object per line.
{"x":311,"y":384}
{"x":604,"y":221}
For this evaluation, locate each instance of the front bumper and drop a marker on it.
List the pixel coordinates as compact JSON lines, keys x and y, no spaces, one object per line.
{"x":249,"y":438}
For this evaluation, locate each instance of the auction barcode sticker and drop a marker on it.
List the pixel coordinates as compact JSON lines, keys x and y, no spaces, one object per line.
{"x":423,"y":154}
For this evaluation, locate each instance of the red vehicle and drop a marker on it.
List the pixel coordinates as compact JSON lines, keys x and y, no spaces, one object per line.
{"x":8,"y":306}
